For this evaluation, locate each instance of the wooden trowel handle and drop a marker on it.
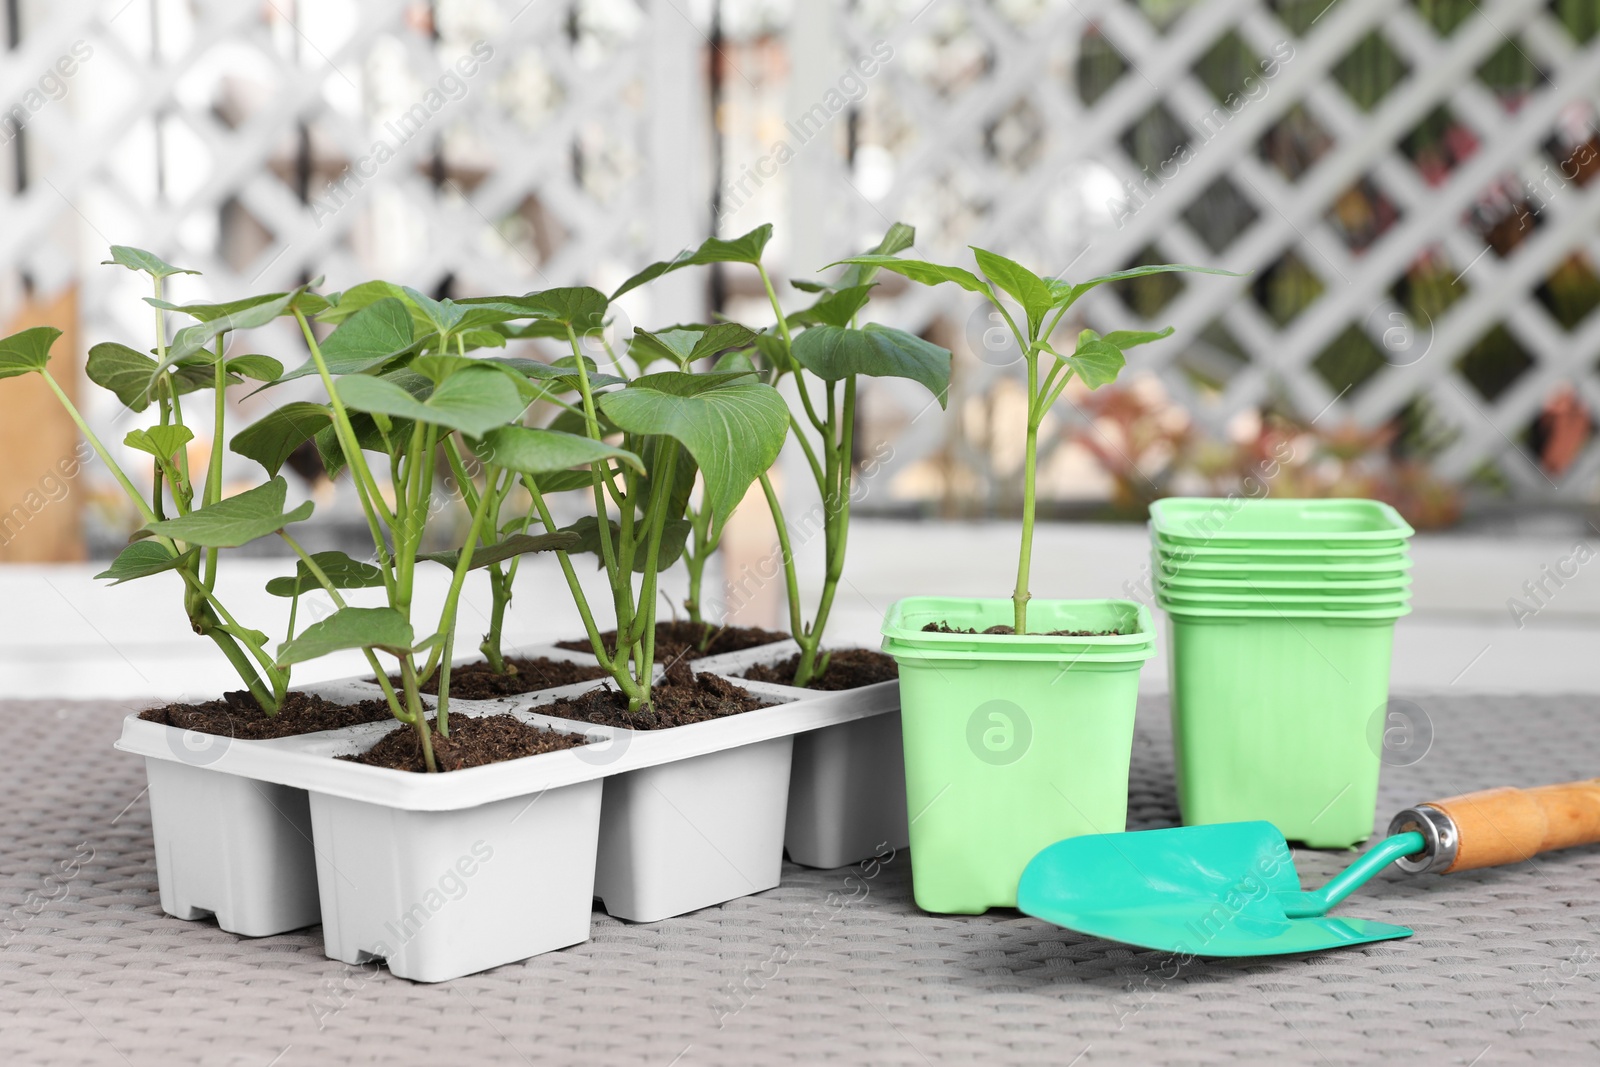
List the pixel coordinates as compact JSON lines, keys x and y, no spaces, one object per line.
{"x":1494,"y":827}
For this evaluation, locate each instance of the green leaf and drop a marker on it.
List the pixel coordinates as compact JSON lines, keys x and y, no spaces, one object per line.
{"x":473,"y":401}
{"x":27,"y":352}
{"x":744,"y":249}
{"x":486,"y":338}
{"x":580,"y":307}
{"x":565,"y":481}
{"x":159,"y":441}
{"x":835,"y":309}
{"x":142,"y":559}
{"x":130,"y":374}
{"x":674,"y":534}
{"x":529,"y":451}
{"x":834,"y":353}
{"x":1130,"y":338}
{"x":734,"y":428}
{"x":343,"y":306}
{"x":896,"y":239}
{"x":194,"y":340}
{"x":261,"y":368}
{"x":211,"y":312}
{"x":1029,"y":290}
{"x":1064,"y":294}
{"x":342,"y":573}
{"x":237,"y":520}
{"x":139,"y":259}
{"x":515,"y":545}
{"x":685,"y":344}
{"x":274,"y":438}
{"x":552,"y":379}
{"x":383,"y":628}
{"x":371,"y":336}
{"x":1095,"y":361}
{"x":926,"y":273}
{"x":810,"y":287}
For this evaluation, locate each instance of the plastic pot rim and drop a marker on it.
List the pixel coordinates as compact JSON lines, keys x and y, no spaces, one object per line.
{"x":1165,"y":514}
{"x":1042,"y":646}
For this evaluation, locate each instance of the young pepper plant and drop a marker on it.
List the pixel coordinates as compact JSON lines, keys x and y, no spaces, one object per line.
{"x":827,"y":358}
{"x":187,"y":543}
{"x":727,"y":426}
{"x":1040,"y":305}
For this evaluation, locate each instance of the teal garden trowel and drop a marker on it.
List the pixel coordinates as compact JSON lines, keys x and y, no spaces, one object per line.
{"x":1230,"y":889}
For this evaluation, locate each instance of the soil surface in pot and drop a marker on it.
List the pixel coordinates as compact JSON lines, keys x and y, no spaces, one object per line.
{"x":848,"y":668}
{"x":680,"y":640}
{"x":238,"y":714}
{"x":473,"y":742}
{"x":475,"y":681}
{"x":680,"y":698}
{"x":946,"y":628}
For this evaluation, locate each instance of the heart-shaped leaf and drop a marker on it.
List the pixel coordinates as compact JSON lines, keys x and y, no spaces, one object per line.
{"x":529,"y":451}
{"x":746,"y":248}
{"x":733,"y":427}
{"x":1026,"y":287}
{"x":341,"y":571}
{"x":580,"y":307}
{"x":834,"y":353}
{"x":371,"y":336}
{"x":27,"y":352}
{"x":237,"y":520}
{"x":515,"y":545}
{"x":139,"y":259}
{"x":383,"y":628}
{"x":159,"y":441}
{"x":210,"y":312}
{"x":130,"y":374}
{"x":473,"y":401}
{"x":274,"y":438}
{"x":1095,"y":361}
{"x":142,"y":559}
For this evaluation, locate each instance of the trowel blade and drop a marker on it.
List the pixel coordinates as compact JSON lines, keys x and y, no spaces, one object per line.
{"x":1194,"y":890}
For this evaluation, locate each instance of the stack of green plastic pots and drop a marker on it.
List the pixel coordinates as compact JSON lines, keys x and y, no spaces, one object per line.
{"x":1282,"y":618}
{"x":1011,"y":743}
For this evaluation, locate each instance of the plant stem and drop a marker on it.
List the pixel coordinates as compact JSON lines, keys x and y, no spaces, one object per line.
{"x":213,"y":487}
{"x":791,"y":580}
{"x":1021,"y":595}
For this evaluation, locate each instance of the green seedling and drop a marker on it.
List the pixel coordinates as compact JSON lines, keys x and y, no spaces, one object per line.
{"x":185,"y":521}
{"x":1040,"y":304}
{"x":401,"y":386}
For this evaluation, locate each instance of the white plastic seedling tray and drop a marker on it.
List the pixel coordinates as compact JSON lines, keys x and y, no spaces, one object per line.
{"x":847,"y":785}
{"x":271,"y":836}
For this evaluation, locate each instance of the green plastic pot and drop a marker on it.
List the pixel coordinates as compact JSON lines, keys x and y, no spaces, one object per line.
{"x":1185,"y":555}
{"x":1011,"y":744}
{"x":1272,"y":719}
{"x":1276,"y":584}
{"x":1295,"y":611}
{"x":1234,"y":522}
{"x":1264,"y":599}
{"x":1284,"y":572}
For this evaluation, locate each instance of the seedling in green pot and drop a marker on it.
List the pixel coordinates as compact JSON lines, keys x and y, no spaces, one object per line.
{"x":1039,"y":305}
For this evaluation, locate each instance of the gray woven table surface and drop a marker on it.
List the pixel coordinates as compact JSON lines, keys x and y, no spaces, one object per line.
{"x":1503,"y":967}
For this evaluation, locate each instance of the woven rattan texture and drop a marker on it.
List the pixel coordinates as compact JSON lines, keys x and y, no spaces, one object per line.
{"x":832,"y":966}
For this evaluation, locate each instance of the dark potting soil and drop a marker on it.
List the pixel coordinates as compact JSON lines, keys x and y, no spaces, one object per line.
{"x":680,"y":698}
{"x":473,"y":742}
{"x":848,"y":668}
{"x":238,"y":714}
{"x":946,"y":628}
{"x":475,"y":681}
{"x":680,"y":640}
